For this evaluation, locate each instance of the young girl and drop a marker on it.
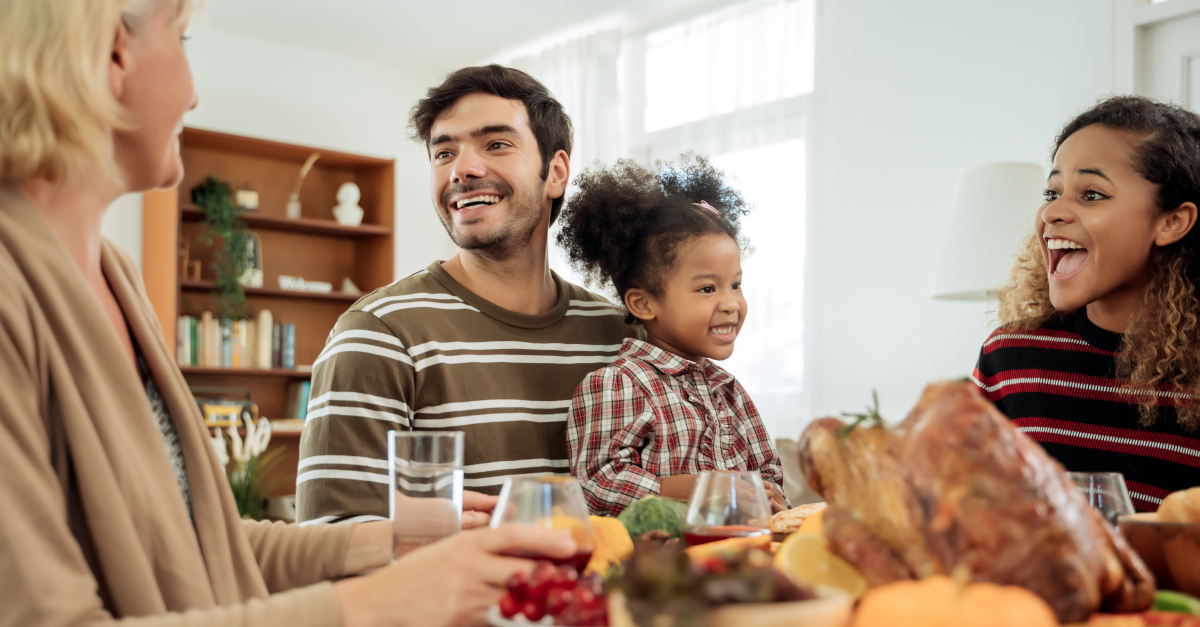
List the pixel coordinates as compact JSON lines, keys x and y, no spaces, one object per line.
{"x":1098,"y":357}
{"x":667,"y":240}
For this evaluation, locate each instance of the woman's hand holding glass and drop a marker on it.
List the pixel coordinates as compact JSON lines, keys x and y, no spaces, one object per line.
{"x":449,"y":582}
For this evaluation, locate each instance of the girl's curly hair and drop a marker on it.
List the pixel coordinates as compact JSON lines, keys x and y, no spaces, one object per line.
{"x":1160,"y":353}
{"x":625,"y":224}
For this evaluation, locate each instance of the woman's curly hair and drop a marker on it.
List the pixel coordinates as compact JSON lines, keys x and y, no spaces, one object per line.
{"x":1160,"y":353}
{"x":625,"y":224}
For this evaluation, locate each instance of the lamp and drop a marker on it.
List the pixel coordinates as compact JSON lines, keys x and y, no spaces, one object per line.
{"x":994,"y":208}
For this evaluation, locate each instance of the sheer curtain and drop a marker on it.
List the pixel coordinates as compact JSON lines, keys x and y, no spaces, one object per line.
{"x":734,"y":84}
{"x":582,"y":74}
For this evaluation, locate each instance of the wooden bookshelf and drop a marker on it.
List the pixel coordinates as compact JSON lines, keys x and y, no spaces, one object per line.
{"x":314,"y":247}
{"x":209,"y":286}
{"x":247,"y":372}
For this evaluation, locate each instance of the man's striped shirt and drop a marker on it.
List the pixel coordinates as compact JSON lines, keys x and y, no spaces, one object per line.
{"x":425,"y":353}
{"x":1058,"y":385}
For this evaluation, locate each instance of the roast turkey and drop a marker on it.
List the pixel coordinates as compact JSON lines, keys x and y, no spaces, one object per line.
{"x":956,"y":490}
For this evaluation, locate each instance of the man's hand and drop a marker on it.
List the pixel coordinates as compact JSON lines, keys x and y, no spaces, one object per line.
{"x":451,"y":582}
{"x":477,"y":509}
{"x":778,"y":503}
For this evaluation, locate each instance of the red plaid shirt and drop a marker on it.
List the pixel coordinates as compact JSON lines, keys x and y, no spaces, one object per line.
{"x":655,"y":414}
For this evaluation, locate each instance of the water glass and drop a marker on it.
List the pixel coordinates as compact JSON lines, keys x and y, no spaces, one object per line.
{"x":1104,"y":491}
{"x":727,"y":504}
{"x":425,"y":472}
{"x":552,"y":502}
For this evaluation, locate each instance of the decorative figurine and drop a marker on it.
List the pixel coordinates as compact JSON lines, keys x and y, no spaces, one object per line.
{"x":246,"y":198}
{"x":253,"y":275}
{"x":347,"y":212}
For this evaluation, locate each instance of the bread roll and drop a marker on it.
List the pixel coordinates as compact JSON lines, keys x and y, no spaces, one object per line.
{"x":1182,"y":506}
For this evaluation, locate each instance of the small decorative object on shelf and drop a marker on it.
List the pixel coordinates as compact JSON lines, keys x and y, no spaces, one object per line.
{"x":251,"y":460}
{"x":347,"y":212}
{"x":221,"y":415}
{"x":293,"y":206}
{"x":299,"y":284}
{"x":246,"y":198}
{"x":253,"y":275}
{"x":348,"y":287}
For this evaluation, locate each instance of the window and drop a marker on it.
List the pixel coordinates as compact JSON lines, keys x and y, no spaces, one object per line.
{"x":746,"y":55}
{"x":769,"y":355}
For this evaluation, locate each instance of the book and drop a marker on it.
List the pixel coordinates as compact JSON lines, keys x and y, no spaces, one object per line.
{"x":226,"y":343}
{"x":182,"y":341}
{"x":289,"y":346}
{"x":294,"y":393}
{"x":302,"y":408}
{"x":249,"y":351}
{"x":237,"y":330}
{"x":276,"y":345}
{"x":262,"y":350}
{"x":207,"y":356}
{"x":195,"y":333}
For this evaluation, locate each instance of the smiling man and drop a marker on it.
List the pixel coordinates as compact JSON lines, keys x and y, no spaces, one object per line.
{"x":491,"y":342}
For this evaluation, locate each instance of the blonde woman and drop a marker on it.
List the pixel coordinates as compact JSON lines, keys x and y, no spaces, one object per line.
{"x":113,"y":505}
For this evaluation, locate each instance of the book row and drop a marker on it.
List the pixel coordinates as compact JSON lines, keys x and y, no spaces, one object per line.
{"x":206,"y":341}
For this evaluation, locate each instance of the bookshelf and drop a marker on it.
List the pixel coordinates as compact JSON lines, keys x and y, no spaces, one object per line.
{"x":314,"y":247}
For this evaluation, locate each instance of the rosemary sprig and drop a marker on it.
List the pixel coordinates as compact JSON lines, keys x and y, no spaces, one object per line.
{"x":871,"y":416}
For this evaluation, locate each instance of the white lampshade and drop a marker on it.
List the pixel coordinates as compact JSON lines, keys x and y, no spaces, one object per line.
{"x":994,"y":208}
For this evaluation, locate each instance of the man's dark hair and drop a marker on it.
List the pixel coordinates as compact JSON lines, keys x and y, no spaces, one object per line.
{"x":550,"y":124}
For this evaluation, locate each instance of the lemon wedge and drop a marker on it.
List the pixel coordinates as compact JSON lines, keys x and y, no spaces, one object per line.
{"x":806,"y":559}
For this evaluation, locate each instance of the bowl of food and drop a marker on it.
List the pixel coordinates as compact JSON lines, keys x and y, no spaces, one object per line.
{"x":1169,"y":540}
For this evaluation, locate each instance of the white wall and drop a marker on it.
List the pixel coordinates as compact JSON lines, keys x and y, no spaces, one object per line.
{"x":908,"y":93}
{"x":298,"y":95}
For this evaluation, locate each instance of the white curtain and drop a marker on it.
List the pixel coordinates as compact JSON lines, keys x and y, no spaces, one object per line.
{"x":582,"y":75}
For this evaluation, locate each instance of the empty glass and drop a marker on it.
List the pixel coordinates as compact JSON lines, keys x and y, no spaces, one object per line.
{"x":551,"y":502}
{"x":425,"y":471}
{"x":1104,"y":491}
{"x":727,"y":504}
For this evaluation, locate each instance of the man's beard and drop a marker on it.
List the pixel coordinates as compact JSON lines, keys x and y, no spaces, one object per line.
{"x":515,"y":229}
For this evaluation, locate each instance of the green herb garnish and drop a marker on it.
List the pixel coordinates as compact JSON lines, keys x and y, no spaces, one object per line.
{"x":871,"y":416}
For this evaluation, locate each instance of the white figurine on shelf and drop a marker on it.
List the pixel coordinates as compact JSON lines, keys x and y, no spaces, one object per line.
{"x":347,"y":212}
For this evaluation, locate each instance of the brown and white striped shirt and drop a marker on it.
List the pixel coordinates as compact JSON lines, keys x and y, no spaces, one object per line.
{"x":425,"y":353}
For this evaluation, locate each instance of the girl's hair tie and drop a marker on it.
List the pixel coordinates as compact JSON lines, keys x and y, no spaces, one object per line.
{"x":707,"y":207}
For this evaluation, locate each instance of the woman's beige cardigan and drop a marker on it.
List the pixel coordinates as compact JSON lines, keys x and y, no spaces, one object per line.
{"x":93,"y":526}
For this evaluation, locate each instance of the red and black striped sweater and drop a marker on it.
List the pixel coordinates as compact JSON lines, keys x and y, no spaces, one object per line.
{"x":1058,"y":385}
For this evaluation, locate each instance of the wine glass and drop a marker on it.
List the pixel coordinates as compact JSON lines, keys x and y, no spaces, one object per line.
{"x":551,"y":502}
{"x":727,"y":504}
{"x":1104,"y":491}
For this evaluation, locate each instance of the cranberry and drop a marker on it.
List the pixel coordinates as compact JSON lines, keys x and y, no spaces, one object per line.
{"x":586,"y":598}
{"x":518,"y":586}
{"x":533,"y":611}
{"x":508,"y":606}
{"x":541,"y":581}
{"x":558,"y":600}
{"x":566,"y":578}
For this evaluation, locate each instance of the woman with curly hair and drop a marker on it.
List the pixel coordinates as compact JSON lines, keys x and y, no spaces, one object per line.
{"x":1098,"y":355}
{"x":667,"y":240}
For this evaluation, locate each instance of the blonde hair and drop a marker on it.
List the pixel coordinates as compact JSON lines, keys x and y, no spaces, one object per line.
{"x":57,"y":113}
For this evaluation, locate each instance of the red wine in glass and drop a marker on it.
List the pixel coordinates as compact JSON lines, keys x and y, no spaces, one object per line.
{"x":704,"y":535}
{"x":579,"y":560}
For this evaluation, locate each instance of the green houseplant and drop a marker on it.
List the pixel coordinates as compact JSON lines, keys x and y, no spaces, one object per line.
{"x":223,"y":222}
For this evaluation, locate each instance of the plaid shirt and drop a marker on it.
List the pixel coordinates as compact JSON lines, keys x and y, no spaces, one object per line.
{"x":655,"y":414}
